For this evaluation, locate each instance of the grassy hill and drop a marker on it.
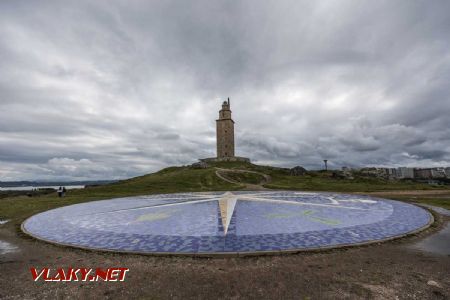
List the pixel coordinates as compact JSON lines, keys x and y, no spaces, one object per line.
{"x":188,"y":179}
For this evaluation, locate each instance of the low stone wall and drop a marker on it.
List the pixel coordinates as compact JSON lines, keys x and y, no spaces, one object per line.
{"x":234,"y":158}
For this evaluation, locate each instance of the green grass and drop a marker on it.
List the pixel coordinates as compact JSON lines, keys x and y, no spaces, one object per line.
{"x":185,"y":179}
{"x":324,"y":182}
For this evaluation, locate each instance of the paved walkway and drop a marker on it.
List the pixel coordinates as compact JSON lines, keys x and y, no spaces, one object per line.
{"x":437,"y":209}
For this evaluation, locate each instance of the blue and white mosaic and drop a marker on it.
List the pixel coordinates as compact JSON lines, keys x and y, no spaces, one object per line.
{"x":227,"y":222}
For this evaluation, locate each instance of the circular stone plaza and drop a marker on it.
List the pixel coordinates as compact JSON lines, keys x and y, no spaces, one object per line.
{"x":227,"y":222}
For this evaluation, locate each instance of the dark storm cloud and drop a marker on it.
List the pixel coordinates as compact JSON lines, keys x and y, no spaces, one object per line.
{"x":112,"y":89}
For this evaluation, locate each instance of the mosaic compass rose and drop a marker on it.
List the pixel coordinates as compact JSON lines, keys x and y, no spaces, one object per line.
{"x":227,"y":203}
{"x":227,"y":222}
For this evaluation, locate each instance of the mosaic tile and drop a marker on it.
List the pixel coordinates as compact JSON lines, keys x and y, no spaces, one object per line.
{"x":227,"y":222}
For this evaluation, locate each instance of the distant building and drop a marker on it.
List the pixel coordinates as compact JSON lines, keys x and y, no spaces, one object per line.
{"x":386,"y":173}
{"x":447,"y":172}
{"x":405,"y":173}
{"x":391,"y":173}
{"x":430,"y":173}
{"x":370,"y":171}
{"x":423,"y":173}
{"x":438,"y":173}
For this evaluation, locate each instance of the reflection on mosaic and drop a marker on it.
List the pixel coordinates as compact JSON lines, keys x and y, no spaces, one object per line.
{"x":227,"y":222}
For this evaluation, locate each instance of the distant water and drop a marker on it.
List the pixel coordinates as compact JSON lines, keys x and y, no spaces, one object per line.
{"x":29,"y":188}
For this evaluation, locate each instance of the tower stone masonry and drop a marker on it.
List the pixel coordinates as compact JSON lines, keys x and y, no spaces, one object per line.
{"x":225,"y":138}
{"x":225,"y":132}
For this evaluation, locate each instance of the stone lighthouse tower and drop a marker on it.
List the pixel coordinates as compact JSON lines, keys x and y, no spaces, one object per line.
{"x":225,"y":137}
{"x":225,"y":132}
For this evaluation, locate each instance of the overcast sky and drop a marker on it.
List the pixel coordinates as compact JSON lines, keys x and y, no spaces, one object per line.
{"x":114,"y":89}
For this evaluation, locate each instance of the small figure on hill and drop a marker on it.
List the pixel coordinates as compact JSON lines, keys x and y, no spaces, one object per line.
{"x":64,"y":191}
{"x":60,"y":192}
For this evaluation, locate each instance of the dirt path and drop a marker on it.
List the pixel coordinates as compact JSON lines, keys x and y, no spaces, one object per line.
{"x":248,"y":186}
